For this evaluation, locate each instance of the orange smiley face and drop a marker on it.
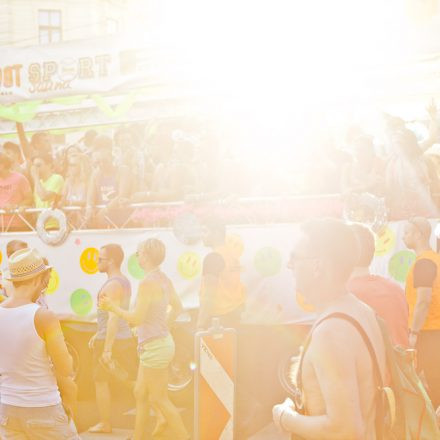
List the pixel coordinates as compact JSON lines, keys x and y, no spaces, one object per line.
{"x":89,"y":260}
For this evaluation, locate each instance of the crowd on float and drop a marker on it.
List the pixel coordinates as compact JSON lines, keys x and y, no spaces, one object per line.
{"x":136,"y":164}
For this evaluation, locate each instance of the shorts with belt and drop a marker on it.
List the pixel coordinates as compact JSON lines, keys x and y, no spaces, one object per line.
{"x":44,"y":423}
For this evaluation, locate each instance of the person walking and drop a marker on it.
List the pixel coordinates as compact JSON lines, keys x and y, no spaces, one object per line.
{"x":385,"y":297}
{"x":113,"y":341}
{"x":155,"y":342}
{"x":336,"y":380}
{"x":38,"y":394}
{"x":423,"y":296}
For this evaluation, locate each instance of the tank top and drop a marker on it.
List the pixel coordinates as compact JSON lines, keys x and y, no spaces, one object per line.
{"x":26,"y":375}
{"x":124,"y":331}
{"x":154,"y":325}
{"x":76,"y":194}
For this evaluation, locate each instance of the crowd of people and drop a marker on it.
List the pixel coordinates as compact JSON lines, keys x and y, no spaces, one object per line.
{"x":36,"y":377}
{"x":345,"y":364}
{"x":136,"y":164}
{"x":337,"y":388}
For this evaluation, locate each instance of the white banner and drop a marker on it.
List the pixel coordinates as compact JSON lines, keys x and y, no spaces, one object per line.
{"x":73,"y":68}
{"x":264,"y":254}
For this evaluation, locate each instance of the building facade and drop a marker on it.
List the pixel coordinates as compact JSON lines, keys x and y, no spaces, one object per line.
{"x":34,"y":22}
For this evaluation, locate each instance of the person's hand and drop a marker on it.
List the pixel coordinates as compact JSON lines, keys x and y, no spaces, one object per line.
{"x":437,"y":413}
{"x":412,"y":340}
{"x":106,"y":356}
{"x":280,"y":410}
{"x":91,"y":343}
{"x":105,"y":303}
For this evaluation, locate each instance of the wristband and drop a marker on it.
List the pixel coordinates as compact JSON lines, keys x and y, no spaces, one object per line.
{"x":281,"y":420}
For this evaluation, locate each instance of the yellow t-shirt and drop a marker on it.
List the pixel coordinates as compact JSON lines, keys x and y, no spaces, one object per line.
{"x":55,"y":184}
{"x":425,"y":272}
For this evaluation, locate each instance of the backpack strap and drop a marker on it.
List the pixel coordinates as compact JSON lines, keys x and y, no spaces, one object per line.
{"x":376,"y":369}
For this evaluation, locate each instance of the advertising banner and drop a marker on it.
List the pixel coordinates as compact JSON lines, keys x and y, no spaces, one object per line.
{"x":73,"y":68}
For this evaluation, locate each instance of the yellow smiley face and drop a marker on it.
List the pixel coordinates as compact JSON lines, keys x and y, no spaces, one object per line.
{"x":54,"y":282}
{"x":385,"y":241}
{"x":89,"y":260}
{"x":189,"y":265}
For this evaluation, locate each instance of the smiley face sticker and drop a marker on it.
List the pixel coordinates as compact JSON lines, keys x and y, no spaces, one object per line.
{"x":235,"y":244}
{"x":134,"y":269}
{"x":54,"y":282}
{"x":384,"y":242}
{"x":267,"y":261}
{"x":89,"y":260}
{"x":300,"y":300}
{"x":189,"y":265}
{"x":400,"y":263}
{"x":81,"y":302}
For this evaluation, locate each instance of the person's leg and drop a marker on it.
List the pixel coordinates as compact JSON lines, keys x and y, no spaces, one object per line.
{"x":428,"y":357}
{"x":102,"y":389}
{"x":142,"y":404}
{"x":157,"y":382}
{"x":103,"y":402}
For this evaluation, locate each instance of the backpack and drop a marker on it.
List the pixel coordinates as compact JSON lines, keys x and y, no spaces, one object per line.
{"x":404,"y":411}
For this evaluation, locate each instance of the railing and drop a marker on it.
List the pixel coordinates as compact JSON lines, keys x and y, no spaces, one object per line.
{"x":249,"y":210}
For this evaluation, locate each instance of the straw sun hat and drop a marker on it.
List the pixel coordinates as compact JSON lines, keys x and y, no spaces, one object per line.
{"x":25,"y":264}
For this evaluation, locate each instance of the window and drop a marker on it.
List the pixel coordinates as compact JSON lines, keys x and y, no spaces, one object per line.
{"x":112,"y":26}
{"x":49,"y":26}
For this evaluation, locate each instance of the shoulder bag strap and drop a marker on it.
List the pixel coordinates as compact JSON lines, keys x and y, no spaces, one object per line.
{"x":376,"y":370}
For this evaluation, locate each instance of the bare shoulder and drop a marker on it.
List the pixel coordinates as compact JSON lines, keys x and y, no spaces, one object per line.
{"x":149,"y":287}
{"x":45,"y":319}
{"x":112,"y":288}
{"x":336,"y":339}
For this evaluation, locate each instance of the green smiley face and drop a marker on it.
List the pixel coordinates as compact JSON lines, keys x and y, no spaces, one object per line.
{"x":81,"y":302}
{"x":400,"y":263}
{"x":267,"y":261}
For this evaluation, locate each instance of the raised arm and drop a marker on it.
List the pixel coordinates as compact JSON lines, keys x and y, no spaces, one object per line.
{"x":24,"y":143}
{"x":147,"y":291}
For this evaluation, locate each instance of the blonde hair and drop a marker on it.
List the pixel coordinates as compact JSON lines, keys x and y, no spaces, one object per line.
{"x":154,"y":250}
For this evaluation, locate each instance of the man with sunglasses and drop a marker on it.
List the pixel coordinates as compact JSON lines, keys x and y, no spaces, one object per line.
{"x":423,"y":296}
{"x":336,"y":380}
{"x":113,"y":340}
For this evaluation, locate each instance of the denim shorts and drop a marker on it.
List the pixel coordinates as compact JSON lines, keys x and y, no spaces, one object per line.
{"x":45,"y":423}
